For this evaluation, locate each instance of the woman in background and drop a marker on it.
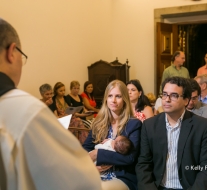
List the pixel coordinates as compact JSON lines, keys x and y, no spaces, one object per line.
{"x":76,"y":100}
{"x":88,"y":98}
{"x":61,"y":103}
{"x":158,"y":106}
{"x":202,"y":70}
{"x":115,"y":118}
{"x":140,"y":103}
{"x":46,"y":93}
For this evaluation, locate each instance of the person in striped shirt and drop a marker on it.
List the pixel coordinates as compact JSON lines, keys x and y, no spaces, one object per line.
{"x":173,"y":144}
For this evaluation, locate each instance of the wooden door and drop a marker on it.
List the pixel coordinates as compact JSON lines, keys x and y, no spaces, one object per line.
{"x":167,"y":44}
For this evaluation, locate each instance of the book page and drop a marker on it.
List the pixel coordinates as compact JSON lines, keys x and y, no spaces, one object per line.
{"x":65,"y":121}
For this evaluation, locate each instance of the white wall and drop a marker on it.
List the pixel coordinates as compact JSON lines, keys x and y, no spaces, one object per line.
{"x":62,"y":38}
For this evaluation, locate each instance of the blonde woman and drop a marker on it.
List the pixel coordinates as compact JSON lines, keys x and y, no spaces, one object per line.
{"x":115,"y":118}
{"x":76,"y":100}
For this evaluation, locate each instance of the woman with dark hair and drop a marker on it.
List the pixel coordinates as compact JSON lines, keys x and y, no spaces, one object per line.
{"x":88,"y":98}
{"x":140,"y":103}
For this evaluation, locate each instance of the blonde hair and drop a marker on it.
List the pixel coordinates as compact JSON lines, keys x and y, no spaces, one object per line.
{"x":151,"y":97}
{"x":102,"y":122}
{"x":74,"y":83}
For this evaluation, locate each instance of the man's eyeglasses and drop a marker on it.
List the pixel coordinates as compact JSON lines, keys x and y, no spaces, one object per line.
{"x":24,"y":56}
{"x":173,"y":96}
{"x":194,"y":98}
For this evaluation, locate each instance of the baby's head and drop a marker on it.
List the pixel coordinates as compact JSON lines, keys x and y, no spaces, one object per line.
{"x":123,"y":145}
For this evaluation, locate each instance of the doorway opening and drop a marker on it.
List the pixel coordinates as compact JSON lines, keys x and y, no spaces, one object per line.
{"x":191,"y":29}
{"x":195,"y":46}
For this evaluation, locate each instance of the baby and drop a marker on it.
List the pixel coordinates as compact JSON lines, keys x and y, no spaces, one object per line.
{"x":121,"y":145}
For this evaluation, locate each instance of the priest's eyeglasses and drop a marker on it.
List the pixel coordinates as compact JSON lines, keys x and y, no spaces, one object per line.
{"x":24,"y":56}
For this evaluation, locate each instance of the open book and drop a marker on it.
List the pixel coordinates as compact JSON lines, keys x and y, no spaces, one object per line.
{"x":65,"y":121}
{"x":72,"y":110}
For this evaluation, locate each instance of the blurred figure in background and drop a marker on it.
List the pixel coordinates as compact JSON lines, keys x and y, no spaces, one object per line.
{"x":194,"y":105}
{"x":152,"y":99}
{"x":203,"y":70}
{"x":158,"y":105}
{"x":76,"y":100}
{"x":88,"y":98}
{"x":176,"y":68}
{"x":60,"y":101}
{"x":202,"y":81}
{"x":46,"y":93}
{"x":140,"y":103}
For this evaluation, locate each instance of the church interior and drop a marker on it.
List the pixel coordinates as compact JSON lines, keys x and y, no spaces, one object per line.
{"x":63,"y":38}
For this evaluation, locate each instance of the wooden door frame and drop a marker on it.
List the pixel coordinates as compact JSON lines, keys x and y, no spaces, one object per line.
{"x":173,"y":12}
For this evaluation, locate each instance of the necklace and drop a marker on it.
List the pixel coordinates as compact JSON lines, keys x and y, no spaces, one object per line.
{"x":60,"y":105}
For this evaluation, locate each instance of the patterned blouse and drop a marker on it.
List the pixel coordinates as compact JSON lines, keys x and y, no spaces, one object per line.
{"x":61,"y":107}
{"x":140,"y":115}
{"x":109,"y":174}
